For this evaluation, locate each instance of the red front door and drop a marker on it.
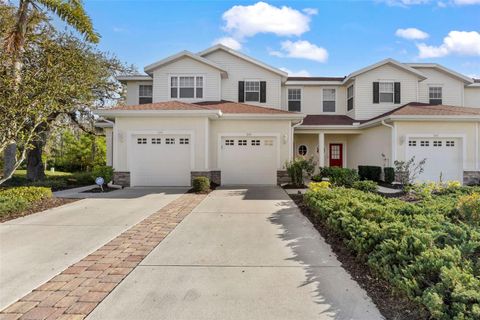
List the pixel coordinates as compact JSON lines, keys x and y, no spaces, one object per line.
{"x":336,"y":155}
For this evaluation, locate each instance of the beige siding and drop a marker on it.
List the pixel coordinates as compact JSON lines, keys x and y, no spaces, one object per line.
{"x":312,"y":97}
{"x":472,"y":97}
{"x":364,"y":106}
{"x":186,"y":66}
{"x":466,"y":129}
{"x":132,"y":91}
{"x":241,"y":70}
{"x":367,"y":148}
{"x":452,"y":88}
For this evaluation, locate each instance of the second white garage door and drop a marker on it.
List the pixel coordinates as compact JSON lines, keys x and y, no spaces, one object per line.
{"x":248,"y":160}
{"x":160,"y":160}
{"x":444,"y":158}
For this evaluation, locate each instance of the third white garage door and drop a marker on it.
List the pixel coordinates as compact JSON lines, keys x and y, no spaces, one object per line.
{"x":444,"y":157}
{"x":248,"y":160}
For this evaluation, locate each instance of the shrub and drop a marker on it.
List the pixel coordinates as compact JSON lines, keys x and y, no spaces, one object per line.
{"x":201,"y":184}
{"x":106,"y":172}
{"x":408,"y":171}
{"x":366,"y":185}
{"x":17,"y":199}
{"x":340,"y":177}
{"x":469,"y":207}
{"x":421,"y":248}
{"x":389,"y":174}
{"x":370,"y":173}
{"x":316,"y":186}
{"x":298,"y":168}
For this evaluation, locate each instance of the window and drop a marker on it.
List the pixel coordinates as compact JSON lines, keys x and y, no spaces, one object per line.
{"x":437,"y":143}
{"x":385,"y":90}
{"x":252,"y":91}
{"x":186,"y":87}
{"x":302,"y":150}
{"x":412,"y":143}
{"x":268,"y":142}
{"x":435,"y":95}
{"x":350,"y":98}
{"x":242,"y":142}
{"x":184,"y":140}
{"x":329,"y":100}
{"x":156,"y":141}
{"x":294,"y":99}
{"x":255,"y":142}
{"x":424,"y":143}
{"x":229,"y":142}
{"x":450,"y":143}
{"x":145,"y":94}
{"x":141,"y":140}
{"x":169,"y":140}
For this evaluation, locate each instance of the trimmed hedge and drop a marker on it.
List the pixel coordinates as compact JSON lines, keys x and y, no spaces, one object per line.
{"x":389,"y":174}
{"x":366,"y":185}
{"x":17,"y":199}
{"x":201,"y":184}
{"x":372,"y":173}
{"x":340,"y":177}
{"x":428,"y":249}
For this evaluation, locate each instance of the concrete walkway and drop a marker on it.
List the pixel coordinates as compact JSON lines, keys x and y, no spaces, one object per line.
{"x":241,"y":254}
{"x":35,"y":248}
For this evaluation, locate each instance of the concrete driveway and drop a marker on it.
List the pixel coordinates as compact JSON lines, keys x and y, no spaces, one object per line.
{"x":241,"y":254}
{"x":35,"y":248}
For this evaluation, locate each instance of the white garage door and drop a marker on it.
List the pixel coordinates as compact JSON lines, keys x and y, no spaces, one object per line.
{"x":444,"y":158}
{"x":160,"y":160}
{"x":248,"y":160}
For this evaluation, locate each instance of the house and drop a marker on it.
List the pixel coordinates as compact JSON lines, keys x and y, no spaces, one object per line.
{"x":225,"y":115}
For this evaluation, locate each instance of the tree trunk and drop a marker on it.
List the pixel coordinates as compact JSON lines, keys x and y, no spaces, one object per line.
{"x":9,"y":159}
{"x":35,"y":166}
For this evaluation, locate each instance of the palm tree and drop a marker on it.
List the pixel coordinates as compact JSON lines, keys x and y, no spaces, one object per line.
{"x":70,"y":11}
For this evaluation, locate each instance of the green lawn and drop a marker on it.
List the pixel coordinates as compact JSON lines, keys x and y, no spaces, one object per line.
{"x":57,"y":180}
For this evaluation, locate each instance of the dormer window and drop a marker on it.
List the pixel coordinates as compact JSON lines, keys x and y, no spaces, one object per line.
{"x":145,"y":94}
{"x":435,"y":95}
{"x":190,"y":87}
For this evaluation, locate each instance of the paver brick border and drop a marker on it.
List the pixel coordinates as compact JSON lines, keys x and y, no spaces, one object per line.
{"x":76,"y":291}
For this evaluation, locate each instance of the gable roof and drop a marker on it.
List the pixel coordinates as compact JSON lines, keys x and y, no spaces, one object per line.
{"x":183,"y":54}
{"x":384,"y":62}
{"x":451,"y":72}
{"x":244,"y":57}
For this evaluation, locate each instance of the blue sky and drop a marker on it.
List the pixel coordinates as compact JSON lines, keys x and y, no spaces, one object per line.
{"x":327,"y":38}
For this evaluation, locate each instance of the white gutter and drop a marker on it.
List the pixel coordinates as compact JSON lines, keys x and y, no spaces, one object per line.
{"x":162,"y":113}
{"x":257,"y":116}
{"x":394,"y":140}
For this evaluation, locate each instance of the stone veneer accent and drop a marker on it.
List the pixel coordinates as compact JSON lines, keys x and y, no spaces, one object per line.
{"x":121,"y":178}
{"x":471,"y":177}
{"x":282,"y":177}
{"x":215,"y":176}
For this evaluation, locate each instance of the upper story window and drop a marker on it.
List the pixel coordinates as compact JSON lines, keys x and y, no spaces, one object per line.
{"x":350,"y":98}
{"x":145,"y":94}
{"x":294,"y":99}
{"x":386,"y":92}
{"x":252,"y":91}
{"x":186,"y":87}
{"x":435,"y":95}
{"x":329,"y":100}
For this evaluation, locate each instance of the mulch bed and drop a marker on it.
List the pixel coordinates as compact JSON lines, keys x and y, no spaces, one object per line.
{"x":392,"y":305}
{"x":37,"y":207}
{"x":99,"y":190}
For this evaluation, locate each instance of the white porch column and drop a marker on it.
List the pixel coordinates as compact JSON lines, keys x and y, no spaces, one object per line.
{"x":321,"y":149}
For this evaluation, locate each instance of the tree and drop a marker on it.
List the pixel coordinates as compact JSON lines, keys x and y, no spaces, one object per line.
{"x":70,"y":11}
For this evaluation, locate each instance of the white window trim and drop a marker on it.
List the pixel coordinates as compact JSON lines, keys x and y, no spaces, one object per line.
{"x":245,"y":90}
{"x":170,"y":76}
{"x":352,"y":97}
{"x":432,"y":85}
{"x":306,"y":150}
{"x":336,"y":101}
{"x":393,"y":91}
{"x":301,"y":97}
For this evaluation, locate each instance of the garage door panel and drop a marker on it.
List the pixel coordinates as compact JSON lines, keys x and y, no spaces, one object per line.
{"x":251,"y":160}
{"x":160,"y":160}
{"x":444,"y":158}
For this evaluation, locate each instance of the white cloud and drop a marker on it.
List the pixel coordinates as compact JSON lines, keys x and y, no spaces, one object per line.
{"x":466,"y":2}
{"x":229,"y":42}
{"x":465,"y":43}
{"x":441,"y":4}
{"x":301,"y":49}
{"x":247,"y":21}
{"x":405,"y":3}
{"x":299,"y":73}
{"x":411,"y":34}
{"x":311,"y":11}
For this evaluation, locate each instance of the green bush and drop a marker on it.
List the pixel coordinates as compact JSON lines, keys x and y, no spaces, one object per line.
{"x":366,"y":185}
{"x":425,"y":249}
{"x":106,"y":172}
{"x":389,"y":174}
{"x":298,"y":168}
{"x":17,"y":199}
{"x":201,"y":184}
{"x":370,"y":173}
{"x":340,"y":177}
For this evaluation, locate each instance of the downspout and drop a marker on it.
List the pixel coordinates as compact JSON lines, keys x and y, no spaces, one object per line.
{"x":394,"y":139}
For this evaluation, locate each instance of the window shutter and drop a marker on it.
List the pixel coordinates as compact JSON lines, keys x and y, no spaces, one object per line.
{"x":397,"y":92}
{"x":241,"y":91}
{"x":263,"y":91}
{"x":376,"y":92}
